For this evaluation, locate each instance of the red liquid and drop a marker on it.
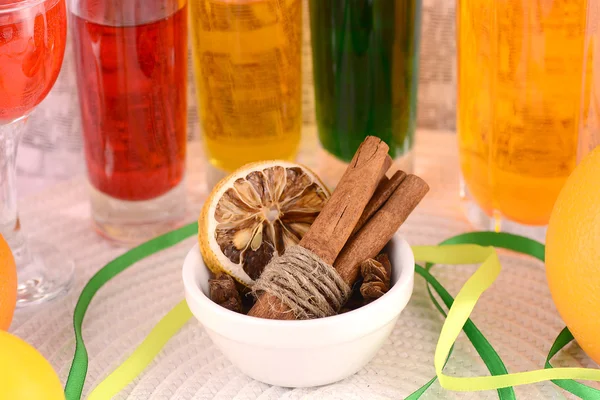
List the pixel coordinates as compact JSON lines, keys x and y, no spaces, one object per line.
{"x":132,"y":90}
{"x":32,"y":45}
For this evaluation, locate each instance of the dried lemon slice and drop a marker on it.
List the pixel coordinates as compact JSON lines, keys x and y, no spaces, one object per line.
{"x":255,"y":213}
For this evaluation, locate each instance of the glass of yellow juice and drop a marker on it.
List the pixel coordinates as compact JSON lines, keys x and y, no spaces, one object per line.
{"x":521,"y":69}
{"x":247,"y":64}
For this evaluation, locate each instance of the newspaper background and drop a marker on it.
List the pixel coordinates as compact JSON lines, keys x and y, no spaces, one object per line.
{"x":51,"y":149}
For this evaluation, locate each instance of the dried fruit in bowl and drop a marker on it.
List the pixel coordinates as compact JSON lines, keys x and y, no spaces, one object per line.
{"x":255,"y":213}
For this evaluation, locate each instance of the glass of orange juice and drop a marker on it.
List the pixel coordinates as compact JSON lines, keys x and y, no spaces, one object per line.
{"x":521,"y":68}
{"x":589,"y":124}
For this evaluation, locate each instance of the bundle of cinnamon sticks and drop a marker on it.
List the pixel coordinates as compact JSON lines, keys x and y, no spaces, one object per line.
{"x":361,"y":217}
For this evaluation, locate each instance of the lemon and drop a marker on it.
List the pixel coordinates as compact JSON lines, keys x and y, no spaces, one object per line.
{"x":24,"y":372}
{"x":573,"y":254}
{"x":255,"y":213}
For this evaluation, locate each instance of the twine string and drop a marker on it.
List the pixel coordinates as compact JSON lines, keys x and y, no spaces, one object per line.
{"x":310,"y":287}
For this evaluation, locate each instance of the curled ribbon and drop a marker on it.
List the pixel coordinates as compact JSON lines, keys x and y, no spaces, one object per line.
{"x":459,"y":313}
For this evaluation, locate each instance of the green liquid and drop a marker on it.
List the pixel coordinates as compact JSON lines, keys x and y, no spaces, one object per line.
{"x":365,"y":66}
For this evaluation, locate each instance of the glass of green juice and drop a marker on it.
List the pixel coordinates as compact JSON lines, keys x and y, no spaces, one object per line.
{"x":365,"y":65}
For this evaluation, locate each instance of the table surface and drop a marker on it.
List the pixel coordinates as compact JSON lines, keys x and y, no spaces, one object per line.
{"x":517,"y":314}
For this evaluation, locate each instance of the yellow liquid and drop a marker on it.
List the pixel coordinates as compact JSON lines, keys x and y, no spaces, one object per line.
{"x":247,"y":62}
{"x":520,"y":81}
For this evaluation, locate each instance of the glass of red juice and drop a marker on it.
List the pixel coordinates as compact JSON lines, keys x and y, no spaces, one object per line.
{"x":131,"y":61}
{"x":32,"y":45}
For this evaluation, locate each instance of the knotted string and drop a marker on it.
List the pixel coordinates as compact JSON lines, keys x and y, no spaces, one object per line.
{"x":310,"y":287}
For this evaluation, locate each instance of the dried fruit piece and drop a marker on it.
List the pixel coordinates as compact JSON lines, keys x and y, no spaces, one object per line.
{"x":255,"y":214}
{"x":224,"y":292}
{"x":376,"y":277}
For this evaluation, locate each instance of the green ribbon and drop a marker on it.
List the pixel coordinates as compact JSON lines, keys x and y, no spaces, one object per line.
{"x":485,"y":350}
{"x":79,"y":366}
{"x":490,"y":357}
{"x":176,"y":318}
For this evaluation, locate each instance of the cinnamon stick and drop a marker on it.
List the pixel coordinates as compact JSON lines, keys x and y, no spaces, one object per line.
{"x":336,"y":221}
{"x":382,"y":194}
{"x":378,"y":231}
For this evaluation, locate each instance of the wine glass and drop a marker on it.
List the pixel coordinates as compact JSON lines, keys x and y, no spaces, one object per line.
{"x":32,"y":45}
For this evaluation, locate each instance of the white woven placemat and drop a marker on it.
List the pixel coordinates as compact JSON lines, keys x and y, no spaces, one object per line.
{"x":516,"y":315}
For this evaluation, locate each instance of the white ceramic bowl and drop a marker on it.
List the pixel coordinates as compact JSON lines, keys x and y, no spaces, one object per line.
{"x":301,"y":353}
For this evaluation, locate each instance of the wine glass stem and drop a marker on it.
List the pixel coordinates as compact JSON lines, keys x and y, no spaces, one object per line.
{"x":43,"y":273}
{"x":10,"y":134}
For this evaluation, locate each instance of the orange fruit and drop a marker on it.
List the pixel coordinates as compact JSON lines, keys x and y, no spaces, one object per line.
{"x":8,"y":285}
{"x":255,"y":213}
{"x":24,"y":373}
{"x":573,"y":254}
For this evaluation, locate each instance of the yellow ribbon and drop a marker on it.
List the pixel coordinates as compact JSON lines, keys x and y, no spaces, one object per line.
{"x":463,"y":306}
{"x":144,"y":354}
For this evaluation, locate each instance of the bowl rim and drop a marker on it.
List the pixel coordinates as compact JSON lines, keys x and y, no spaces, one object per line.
{"x":403,"y":284}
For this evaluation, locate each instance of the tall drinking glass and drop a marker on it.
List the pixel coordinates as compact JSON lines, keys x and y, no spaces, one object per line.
{"x":32,"y":45}
{"x":247,"y":63}
{"x":365,"y":67}
{"x":520,"y":73}
{"x":589,"y":121}
{"x":131,"y":60}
